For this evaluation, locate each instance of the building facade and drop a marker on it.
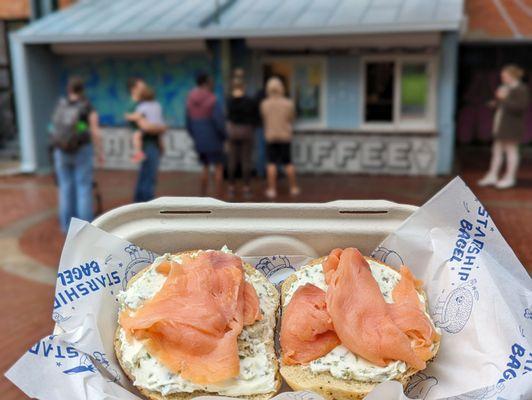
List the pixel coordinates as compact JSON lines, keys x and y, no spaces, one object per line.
{"x":13,"y":16}
{"x":498,"y":33}
{"x":374,"y":82}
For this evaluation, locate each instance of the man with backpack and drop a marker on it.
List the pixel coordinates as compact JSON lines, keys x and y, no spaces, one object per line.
{"x":75,"y":135}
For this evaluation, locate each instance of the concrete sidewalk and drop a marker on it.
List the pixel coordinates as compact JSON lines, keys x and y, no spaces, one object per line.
{"x":31,"y":240}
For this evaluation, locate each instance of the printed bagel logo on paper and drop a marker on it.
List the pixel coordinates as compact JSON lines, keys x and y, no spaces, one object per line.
{"x":470,"y":241}
{"x":77,"y":282}
{"x":138,"y":259}
{"x":275,"y":268}
{"x":67,"y":359}
{"x":453,"y":309}
{"x":91,"y":276}
{"x":519,"y":362}
{"x":455,"y":304}
{"x":101,"y":358}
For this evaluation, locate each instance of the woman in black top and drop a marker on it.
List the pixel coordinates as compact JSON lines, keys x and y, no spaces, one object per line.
{"x":242,"y":115}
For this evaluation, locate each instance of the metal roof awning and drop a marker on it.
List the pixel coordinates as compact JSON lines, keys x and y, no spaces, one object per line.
{"x":256,"y":18}
{"x":147,"y":20}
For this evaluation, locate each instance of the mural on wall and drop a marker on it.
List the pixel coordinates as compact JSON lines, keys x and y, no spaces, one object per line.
{"x":313,"y":152}
{"x":179,"y":154}
{"x":172,"y":76}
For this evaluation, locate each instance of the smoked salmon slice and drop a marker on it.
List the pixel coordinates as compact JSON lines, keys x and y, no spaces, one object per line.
{"x":331,"y":263}
{"x":192,"y":324}
{"x":353,"y":312}
{"x":360,"y":316}
{"x":307,"y":331}
{"x":407,"y":312}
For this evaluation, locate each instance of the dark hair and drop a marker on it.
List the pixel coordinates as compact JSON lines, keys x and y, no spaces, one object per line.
{"x":147,"y":94}
{"x":202,"y":78}
{"x":132,"y":82}
{"x":75,"y":85}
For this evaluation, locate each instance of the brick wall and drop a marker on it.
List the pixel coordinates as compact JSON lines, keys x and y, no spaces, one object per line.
{"x":19,"y":9}
{"x":66,"y":3}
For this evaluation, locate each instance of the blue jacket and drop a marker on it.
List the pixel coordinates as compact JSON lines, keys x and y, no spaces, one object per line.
{"x":205,"y":121}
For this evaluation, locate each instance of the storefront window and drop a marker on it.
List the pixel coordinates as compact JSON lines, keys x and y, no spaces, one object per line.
{"x":398,"y":93}
{"x":414,"y":90}
{"x":304,"y":84}
{"x":379,"y":91}
{"x":307,"y":82}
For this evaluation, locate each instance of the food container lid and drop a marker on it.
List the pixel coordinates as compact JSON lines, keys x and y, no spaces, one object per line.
{"x":170,"y":224}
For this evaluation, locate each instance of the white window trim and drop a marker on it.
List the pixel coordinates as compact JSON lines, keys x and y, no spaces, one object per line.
{"x":398,"y":125}
{"x":321,"y":123}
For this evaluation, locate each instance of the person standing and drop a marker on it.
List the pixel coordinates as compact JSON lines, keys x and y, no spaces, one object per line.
{"x":134,"y":86}
{"x":260,"y":141}
{"x":150,"y":109}
{"x":511,"y":102}
{"x":147,"y":175}
{"x":278,"y":114}
{"x":205,"y":124}
{"x":241,"y":121}
{"x":75,"y":136}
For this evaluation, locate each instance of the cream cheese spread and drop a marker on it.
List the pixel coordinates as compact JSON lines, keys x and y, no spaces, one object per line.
{"x":257,"y":368}
{"x":340,"y":362}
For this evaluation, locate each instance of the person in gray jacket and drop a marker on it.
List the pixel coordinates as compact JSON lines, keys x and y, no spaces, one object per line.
{"x":511,"y":103}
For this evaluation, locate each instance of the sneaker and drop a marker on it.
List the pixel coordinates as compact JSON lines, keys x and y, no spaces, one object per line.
{"x":270,"y":194}
{"x":295,"y":191}
{"x":505,"y":183}
{"x":488,"y":180}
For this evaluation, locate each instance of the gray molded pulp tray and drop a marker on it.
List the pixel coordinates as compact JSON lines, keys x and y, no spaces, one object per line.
{"x":171,"y":224}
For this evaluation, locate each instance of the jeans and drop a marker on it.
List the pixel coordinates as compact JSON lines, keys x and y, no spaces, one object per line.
{"x":74,"y":176}
{"x":147,"y":177}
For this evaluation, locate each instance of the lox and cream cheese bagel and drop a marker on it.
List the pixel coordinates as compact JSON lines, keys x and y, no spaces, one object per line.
{"x":350,"y":322}
{"x":199,"y":323}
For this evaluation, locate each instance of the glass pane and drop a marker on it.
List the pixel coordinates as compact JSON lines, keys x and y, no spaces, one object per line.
{"x":414,"y":90}
{"x":282,"y":70}
{"x":379,"y":91}
{"x":308,"y":82}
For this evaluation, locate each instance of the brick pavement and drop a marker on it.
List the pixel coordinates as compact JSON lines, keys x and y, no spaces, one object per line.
{"x":31,"y":239}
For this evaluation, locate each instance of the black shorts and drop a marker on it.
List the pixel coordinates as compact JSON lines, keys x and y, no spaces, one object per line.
{"x":279,"y":153}
{"x":211,"y":157}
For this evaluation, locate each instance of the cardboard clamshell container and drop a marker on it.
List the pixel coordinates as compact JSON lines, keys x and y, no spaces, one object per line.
{"x":485,"y":326}
{"x":171,"y":224}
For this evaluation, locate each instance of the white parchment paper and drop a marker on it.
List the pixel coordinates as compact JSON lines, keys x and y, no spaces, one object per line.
{"x":480,"y":297}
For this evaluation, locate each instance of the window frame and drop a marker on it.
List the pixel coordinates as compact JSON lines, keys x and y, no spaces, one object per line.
{"x":398,"y":124}
{"x":321,"y":122}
